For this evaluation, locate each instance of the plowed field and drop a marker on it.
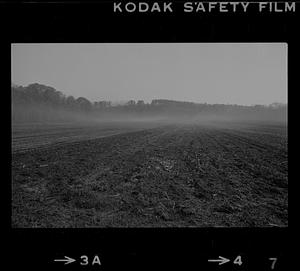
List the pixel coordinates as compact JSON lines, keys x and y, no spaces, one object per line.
{"x":212,"y":175}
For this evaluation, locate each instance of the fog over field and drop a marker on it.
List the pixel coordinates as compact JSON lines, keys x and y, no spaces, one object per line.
{"x":149,"y":135}
{"x":37,"y":102}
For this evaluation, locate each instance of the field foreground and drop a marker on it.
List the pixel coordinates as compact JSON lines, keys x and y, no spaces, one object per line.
{"x":230,"y":175}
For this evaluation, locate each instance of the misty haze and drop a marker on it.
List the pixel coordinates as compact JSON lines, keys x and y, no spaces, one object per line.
{"x":149,"y":135}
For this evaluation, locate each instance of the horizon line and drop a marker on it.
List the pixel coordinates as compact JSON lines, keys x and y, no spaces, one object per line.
{"x":123,"y":101}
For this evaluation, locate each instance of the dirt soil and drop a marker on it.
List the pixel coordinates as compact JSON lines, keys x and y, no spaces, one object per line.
{"x":170,"y":176}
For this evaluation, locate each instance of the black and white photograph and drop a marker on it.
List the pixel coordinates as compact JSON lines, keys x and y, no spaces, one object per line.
{"x":149,"y":135}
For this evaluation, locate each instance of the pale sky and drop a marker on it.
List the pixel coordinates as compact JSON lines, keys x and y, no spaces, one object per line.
{"x":230,"y":73}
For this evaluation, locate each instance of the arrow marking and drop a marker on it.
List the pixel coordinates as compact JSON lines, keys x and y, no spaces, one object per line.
{"x":67,"y":260}
{"x":221,"y":260}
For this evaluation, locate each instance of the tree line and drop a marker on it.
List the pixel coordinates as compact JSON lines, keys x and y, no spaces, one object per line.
{"x":37,"y":95}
